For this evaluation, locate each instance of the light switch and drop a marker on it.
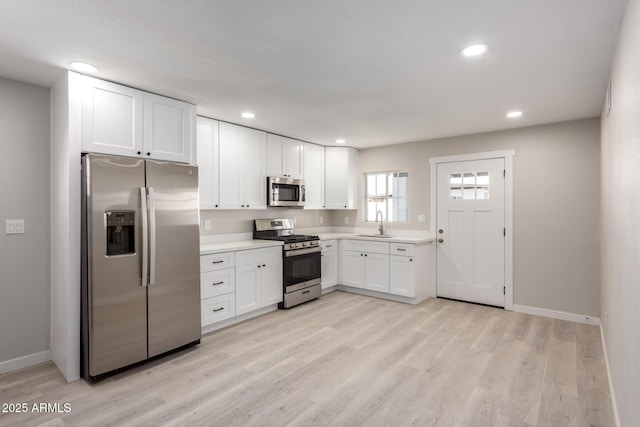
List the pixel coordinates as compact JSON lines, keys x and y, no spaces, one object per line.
{"x":207,"y":224}
{"x":346,"y":220}
{"x":15,"y":226}
{"x":422,"y":218}
{"x":321,"y":220}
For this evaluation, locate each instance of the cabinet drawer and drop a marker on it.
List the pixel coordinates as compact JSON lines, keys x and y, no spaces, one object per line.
{"x":216,"y":261}
{"x":404,"y":249}
{"x":269,"y":256}
{"x":366,"y":246}
{"x":329,"y":245}
{"x":218,"y":282}
{"x":218,"y":308}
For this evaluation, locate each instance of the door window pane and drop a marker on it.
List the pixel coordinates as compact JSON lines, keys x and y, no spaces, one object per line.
{"x":469,"y":185}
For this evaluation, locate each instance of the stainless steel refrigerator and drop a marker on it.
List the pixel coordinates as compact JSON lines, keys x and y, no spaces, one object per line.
{"x":141,"y":261}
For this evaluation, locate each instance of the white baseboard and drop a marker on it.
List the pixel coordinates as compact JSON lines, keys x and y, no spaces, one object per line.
{"x":374,"y":294}
{"x":24,"y":361}
{"x":237,"y":319}
{"x":612,"y":393}
{"x":560,"y":315}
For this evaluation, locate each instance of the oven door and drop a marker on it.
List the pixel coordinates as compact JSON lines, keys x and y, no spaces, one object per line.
{"x":285,"y":192}
{"x":301,"y":268}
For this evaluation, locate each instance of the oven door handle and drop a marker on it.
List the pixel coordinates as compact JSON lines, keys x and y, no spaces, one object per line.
{"x":295,"y":252}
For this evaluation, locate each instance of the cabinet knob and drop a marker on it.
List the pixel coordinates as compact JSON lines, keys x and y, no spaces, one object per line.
{"x":243,"y":206}
{"x":264,"y":265}
{"x":139,"y":152}
{"x":148,"y":154}
{"x":345,"y":206}
{"x":410,"y":259}
{"x":366,"y":255}
{"x":440,"y":240}
{"x":247,"y":205}
{"x":216,"y":206}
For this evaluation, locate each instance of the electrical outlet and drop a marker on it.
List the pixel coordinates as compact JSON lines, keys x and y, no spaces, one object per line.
{"x":422,"y":218}
{"x":321,"y":220}
{"x":346,"y":220}
{"x":294,"y":220}
{"x":14,"y":226}
{"x":207,"y":224}
{"x":606,"y":318}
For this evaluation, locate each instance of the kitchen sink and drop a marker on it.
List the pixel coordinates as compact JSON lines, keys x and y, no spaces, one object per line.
{"x":382,"y":236}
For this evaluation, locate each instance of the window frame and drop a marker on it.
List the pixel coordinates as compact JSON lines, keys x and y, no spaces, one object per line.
{"x":387,"y":197}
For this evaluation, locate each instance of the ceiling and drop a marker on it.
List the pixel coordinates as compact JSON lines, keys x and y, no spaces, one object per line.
{"x":374,"y":72}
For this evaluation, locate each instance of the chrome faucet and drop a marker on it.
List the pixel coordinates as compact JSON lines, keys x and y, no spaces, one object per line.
{"x":381,"y":228}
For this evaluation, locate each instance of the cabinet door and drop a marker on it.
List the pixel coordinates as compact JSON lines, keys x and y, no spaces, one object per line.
{"x":275,"y":167}
{"x":168,"y":129}
{"x":255,"y":169}
{"x":208,"y":146}
{"x":353,"y":269}
{"x":341,"y":178}
{"x":329,"y":269}
{"x":314,"y":176}
{"x":376,"y":272}
{"x":292,"y":155}
{"x":271,"y":284}
{"x":247,"y":289}
{"x":111,"y":118}
{"x":402,"y":276}
{"x":231,"y":170}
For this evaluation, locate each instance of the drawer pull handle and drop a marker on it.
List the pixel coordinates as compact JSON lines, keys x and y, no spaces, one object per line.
{"x":218,"y":309}
{"x":329,"y":246}
{"x":217,"y":283}
{"x":305,"y":292}
{"x":401,"y":250}
{"x":217,"y":262}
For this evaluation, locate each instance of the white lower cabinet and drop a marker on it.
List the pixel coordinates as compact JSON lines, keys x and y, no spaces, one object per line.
{"x":258,"y":279}
{"x":402,"y":276}
{"x":393,"y":268}
{"x":329,"y":263}
{"x":365,"y":264}
{"x":234,"y":283}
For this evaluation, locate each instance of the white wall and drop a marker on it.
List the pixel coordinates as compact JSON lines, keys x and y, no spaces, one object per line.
{"x":556,"y":199}
{"x":620,"y":225}
{"x":24,"y":194}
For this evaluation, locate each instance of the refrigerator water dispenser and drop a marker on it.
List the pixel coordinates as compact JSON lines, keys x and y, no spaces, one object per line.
{"x":120,"y":233}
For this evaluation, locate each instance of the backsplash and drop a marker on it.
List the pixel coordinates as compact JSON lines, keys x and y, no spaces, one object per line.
{"x":241,"y":221}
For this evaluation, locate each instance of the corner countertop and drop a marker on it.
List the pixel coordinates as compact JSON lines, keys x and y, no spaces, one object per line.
{"x":240,"y":245}
{"x":416,"y":240}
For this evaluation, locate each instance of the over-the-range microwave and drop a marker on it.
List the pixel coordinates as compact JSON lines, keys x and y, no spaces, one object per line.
{"x":286,"y":192}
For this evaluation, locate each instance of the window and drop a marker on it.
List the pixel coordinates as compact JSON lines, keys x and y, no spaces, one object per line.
{"x":469,"y":186}
{"x":387,"y":192}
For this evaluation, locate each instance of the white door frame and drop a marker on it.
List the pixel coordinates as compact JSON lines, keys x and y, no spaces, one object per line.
{"x":507,"y":155}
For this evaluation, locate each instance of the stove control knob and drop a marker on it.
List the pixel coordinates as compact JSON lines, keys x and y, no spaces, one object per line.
{"x":305,"y":244}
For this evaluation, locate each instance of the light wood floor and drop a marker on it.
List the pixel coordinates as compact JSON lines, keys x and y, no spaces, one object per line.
{"x":349,"y":360}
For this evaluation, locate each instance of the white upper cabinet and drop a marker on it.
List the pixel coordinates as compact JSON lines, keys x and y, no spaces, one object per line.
{"x":284,"y":157}
{"x":341,"y":178}
{"x":242,"y":172}
{"x":111,"y":118}
{"x":314,"y":176}
{"x":124,"y":121}
{"x":168,"y":129}
{"x":208,"y":151}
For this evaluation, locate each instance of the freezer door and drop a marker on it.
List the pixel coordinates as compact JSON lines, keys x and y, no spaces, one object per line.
{"x":115,"y":298}
{"x":174,"y":256}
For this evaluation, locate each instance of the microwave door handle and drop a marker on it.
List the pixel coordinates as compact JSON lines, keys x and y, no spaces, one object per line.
{"x":152,"y":237}
{"x":144,"y":259}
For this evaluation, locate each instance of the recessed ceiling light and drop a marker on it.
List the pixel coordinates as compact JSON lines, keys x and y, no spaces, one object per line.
{"x":514,"y":114}
{"x":83,"y":67}
{"x":474,"y":50}
{"x":248,"y":115}
{"x":341,"y":141}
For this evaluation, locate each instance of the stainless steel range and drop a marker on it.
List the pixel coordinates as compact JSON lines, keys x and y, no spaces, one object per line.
{"x":301,"y":259}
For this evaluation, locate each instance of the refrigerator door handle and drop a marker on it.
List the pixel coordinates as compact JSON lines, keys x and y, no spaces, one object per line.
{"x":152,"y":237}
{"x":145,"y":237}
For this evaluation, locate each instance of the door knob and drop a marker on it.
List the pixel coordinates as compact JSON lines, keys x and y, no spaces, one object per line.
{"x":440,"y":240}
{"x":441,"y":231}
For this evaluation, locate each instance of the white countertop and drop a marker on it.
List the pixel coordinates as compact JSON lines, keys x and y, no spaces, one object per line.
{"x":215,"y":248}
{"x":393,"y":239}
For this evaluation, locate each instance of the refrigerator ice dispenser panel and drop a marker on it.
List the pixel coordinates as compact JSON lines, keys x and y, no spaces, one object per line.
{"x":120,"y":233}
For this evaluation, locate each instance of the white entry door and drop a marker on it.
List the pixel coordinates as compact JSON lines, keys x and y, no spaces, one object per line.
{"x":471,"y":231}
